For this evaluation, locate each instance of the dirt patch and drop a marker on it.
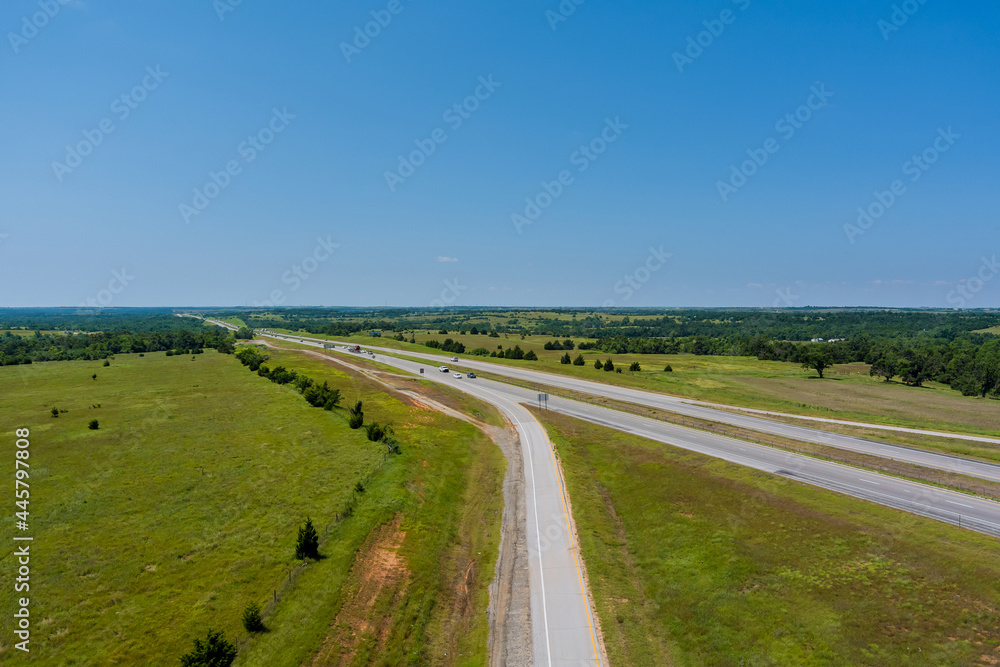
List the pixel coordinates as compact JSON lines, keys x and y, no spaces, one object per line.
{"x":378,"y":575}
{"x":509,"y":610}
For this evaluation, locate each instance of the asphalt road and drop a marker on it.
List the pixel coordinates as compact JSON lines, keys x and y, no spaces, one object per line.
{"x":562,"y":618}
{"x":561,"y":613}
{"x":949,"y":506}
{"x":921,"y":457}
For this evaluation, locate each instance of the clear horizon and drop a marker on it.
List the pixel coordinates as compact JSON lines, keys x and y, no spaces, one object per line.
{"x":729,"y":155}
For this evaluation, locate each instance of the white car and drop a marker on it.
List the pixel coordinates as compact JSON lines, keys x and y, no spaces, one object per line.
{"x":443,"y":369}
{"x":457,"y":376}
{"x":454,"y":358}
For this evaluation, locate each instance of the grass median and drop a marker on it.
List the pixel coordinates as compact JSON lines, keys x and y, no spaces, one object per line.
{"x":697,"y":561}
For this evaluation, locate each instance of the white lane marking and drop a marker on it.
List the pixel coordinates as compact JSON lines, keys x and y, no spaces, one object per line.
{"x":954,"y":503}
{"x":869,"y":481}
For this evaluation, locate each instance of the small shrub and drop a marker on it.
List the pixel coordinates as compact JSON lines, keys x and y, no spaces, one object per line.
{"x":252,"y":620}
{"x":375,"y":431}
{"x":356,"y":421}
{"x":94,"y":376}
{"x":668,"y":369}
{"x":307,"y":543}
{"x":55,"y":412}
{"x":579,"y":360}
{"x":609,"y":365}
{"x":359,"y":487}
{"x":565,"y":359}
{"x":142,"y":354}
{"x":530,"y":356}
{"x":215,"y":651}
{"x":598,"y":365}
{"x":635,"y":366}
{"x":618,"y":370}
{"x":93,"y":425}
{"x":106,"y":363}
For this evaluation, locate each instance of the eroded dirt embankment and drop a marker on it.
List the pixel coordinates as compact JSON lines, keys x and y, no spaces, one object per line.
{"x":510,"y":597}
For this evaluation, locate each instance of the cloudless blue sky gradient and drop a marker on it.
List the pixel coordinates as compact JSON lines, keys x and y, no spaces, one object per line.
{"x":779,"y":239}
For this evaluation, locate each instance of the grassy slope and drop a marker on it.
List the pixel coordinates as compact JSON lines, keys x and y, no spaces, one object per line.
{"x":847,"y":393}
{"x":139,"y":550}
{"x":695,"y":561}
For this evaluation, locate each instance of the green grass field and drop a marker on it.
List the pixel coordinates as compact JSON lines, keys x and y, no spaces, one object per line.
{"x":183,"y":507}
{"x":695,"y":561}
{"x":847,"y":393}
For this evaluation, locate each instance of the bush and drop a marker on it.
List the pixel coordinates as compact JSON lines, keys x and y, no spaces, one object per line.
{"x":307,"y":543}
{"x":668,"y":369}
{"x":480,"y":352}
{"x":107,"y":363}
{"x":141,"y":354}
{"x":359,"y":487}
{"x":635,"y":366}
{"x":579,"y":360}
{"x":322,"y":396}
{"x":618,"y":370}
{"x":356,"y":421}
{"x":252,"y":620}
{"x":598,"y":365}
{"x":565,"y":359}
{"x":93,"y":425}
{"x":530,"y":356}
{"x":215,"y":651}
{"x":55,"y":412}
{"x":94,"y":376}
{"x":609,"y":365}
{"x":377,"y":432}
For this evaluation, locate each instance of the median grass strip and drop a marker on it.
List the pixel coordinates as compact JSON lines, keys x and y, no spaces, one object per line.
{"x":848,"y":392}
{"x":697,"y":561}
{"x":183,"y":507}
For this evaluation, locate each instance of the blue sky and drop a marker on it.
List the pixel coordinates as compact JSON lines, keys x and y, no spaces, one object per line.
{"x":310,"y":216}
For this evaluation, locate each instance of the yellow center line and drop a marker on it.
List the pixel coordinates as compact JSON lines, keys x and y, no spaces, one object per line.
{"x":569,"y":531}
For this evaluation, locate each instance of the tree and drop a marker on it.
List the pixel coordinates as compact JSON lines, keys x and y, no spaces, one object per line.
{"x":94,"y":376}
{"x":986,"y":368}
{"x":55,"y":412}
{"x":885,"y":366}
{"x":530,"y":356}
{"x":634,"y":366}
{"x":107,"y":363}
{"x":579,"y":360}
{"x":668,"y":369}
{"x":565,"y":359}
{"x":609,"y":365}
{"x":357,"y":418}
{"x":93,"y":425}
{"x":598,"y":365}
{"x":816,"y":358}
{"x":307,"y":543}
{"x":252,"y":620}
{"x":215,"y":651}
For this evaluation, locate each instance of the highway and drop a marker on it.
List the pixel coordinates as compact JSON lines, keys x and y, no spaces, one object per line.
{"x":942,"y":504}
{"x":563,"y":624}
{"x":681,"y":406}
